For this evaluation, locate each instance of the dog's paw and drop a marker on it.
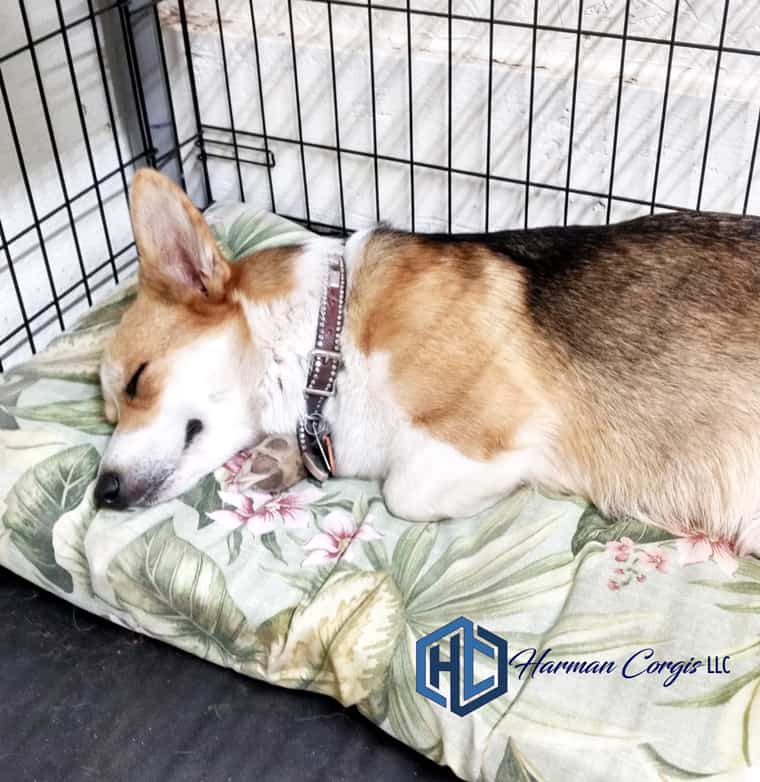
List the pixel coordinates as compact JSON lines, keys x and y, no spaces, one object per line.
{"x":274,"y":464}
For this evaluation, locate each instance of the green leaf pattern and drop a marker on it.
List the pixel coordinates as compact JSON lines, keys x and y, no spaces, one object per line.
{"x":336,"y":604}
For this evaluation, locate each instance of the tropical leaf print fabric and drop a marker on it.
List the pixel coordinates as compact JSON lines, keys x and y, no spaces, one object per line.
{"x":322,"y":588}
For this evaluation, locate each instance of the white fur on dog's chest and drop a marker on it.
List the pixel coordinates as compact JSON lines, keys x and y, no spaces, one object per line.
{"x":363,"y":415}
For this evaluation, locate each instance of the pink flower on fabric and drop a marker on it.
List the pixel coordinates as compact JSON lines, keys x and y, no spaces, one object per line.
{"x":234,"y":472}
{"x":235,"y":464}
{"x":658,"y":559}
{"x":339,"y":529}
{"x":613,"y":585}
{"x":621,"y":549}
{"x":696,"y":548}
{"x":262,"y":513}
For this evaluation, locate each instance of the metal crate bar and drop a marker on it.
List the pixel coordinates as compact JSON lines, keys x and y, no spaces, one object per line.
{"x":125,"y":42}
{"x":145,"y":50}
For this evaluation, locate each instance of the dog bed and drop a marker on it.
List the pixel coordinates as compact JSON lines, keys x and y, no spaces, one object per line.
{"x":321,"y":588}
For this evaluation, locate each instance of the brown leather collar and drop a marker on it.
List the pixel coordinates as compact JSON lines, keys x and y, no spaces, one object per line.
{"x":321,"y":380}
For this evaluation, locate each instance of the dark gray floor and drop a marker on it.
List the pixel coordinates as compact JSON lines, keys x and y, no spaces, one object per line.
{"x":82,"y":699}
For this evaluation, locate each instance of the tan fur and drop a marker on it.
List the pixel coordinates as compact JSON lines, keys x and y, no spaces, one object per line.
{"x":671,"y":434}
{"x":157,"y":328}
{"x":645,"y":376}
{"x":265,"y":275}
{"x":457,"y":335}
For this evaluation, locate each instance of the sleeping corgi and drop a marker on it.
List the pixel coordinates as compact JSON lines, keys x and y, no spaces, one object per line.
{"x":620,"y":363}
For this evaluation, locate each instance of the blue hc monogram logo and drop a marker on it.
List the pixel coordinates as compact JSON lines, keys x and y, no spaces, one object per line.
{"x":465,"y":694}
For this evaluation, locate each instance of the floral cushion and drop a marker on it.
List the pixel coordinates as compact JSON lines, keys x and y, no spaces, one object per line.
{"x":321,"y":588}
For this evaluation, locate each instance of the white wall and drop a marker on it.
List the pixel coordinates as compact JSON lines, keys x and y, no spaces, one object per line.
{"x":734,"y":124}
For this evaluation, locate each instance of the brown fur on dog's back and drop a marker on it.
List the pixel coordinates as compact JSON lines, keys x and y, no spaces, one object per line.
{"x":655,"y":328}
{"x":637,"y":345}
{"x":451,"y":319}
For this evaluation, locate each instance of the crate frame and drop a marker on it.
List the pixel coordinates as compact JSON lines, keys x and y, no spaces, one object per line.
{"x":134,"y":27}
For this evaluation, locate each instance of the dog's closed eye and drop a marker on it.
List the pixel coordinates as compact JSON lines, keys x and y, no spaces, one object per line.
{"x":192,"y":430}
{"x":131,"y":388}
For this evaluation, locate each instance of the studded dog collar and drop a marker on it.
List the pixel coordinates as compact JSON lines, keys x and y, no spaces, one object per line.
{"x":321,"y":380}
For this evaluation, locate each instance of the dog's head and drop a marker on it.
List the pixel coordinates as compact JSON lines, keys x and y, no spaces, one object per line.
{"x":177,"y":375}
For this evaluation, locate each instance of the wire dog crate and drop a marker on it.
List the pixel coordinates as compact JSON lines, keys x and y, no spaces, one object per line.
{"x":432,"y":114}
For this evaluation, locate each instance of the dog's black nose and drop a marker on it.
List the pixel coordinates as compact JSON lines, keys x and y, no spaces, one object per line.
{"x":107,"y":491}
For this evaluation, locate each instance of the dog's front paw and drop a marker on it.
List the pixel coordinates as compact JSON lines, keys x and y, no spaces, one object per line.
{"x":272,"y":465}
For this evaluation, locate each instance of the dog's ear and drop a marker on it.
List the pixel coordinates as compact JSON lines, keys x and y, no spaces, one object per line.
{"x":178,"y":255}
